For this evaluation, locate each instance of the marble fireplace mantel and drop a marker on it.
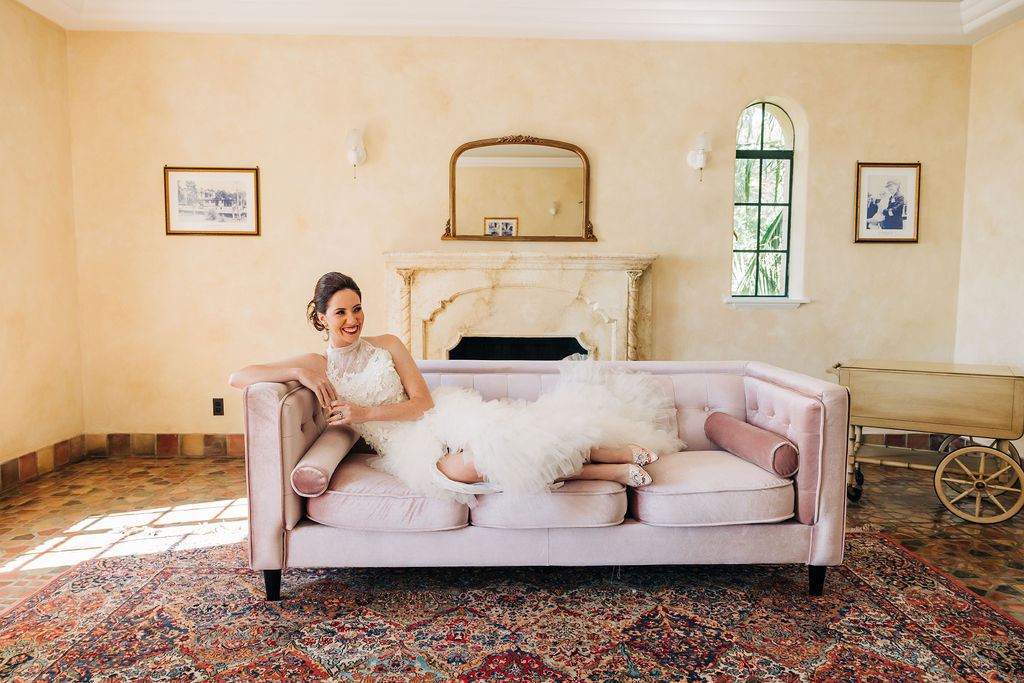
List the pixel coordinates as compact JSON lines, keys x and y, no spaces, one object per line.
{"x":437,"y":298}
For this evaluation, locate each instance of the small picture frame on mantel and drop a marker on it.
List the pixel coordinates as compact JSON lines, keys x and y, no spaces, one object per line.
{"x":212,"y":200}
{"x":888,"y":200}
{"x":501,"y":227}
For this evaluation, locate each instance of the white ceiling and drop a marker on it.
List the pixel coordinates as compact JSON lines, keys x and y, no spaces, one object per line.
{"x":844,"y":21}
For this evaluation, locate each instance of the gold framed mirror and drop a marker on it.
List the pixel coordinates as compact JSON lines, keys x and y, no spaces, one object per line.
{"x":519,"y":187}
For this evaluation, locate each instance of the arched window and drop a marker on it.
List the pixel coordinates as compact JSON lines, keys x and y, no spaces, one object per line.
{"x":762,"y":202}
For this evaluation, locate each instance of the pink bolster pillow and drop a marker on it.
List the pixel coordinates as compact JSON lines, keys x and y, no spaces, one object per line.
{"x":312,"y":475}
{"x":767,"y":450}
{"x":309,"y":481}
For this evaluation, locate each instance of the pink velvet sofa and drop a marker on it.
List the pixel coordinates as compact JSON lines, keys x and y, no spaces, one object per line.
{"x":706,"y":506}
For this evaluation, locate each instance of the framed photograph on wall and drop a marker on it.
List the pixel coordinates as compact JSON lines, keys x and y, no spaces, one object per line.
{"x":501,"y":227}
{"x":888,"y":199}
{"x":212,"y":201}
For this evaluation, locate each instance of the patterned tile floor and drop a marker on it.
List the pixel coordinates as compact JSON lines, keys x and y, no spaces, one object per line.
{"x":112,"y":506}
{"x":107,"y":506}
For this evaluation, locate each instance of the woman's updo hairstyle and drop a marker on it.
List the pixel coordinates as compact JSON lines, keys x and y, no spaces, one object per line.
{"x":326,"y":287}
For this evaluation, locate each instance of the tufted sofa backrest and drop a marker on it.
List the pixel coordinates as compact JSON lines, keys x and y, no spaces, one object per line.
{"x":697,"y":388}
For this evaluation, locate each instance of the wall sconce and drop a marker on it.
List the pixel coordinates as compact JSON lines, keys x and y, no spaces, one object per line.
{"x":700,"y":154}
{"x":354,"y":149}
{"x":554,"y":208}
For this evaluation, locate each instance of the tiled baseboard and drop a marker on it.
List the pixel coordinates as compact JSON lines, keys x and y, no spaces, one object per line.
{"x":191,"y":445}
{"x":49,"y":458}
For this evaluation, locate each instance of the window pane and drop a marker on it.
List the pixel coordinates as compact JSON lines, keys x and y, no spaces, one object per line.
{"x":743,"y":274}
{"x":748,"y":132}
{"x":778,"y":129}
{"x":774,"y":227}
{"x":744,"y":227}
{"x":760,"y":258}
{"x":775,"y":181}
{"x":747,"y":180}
{"x":771,"y":277}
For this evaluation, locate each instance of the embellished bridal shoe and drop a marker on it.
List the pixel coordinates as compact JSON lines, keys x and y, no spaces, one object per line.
{"x":642,"y":456}
{"x":638,"y":477}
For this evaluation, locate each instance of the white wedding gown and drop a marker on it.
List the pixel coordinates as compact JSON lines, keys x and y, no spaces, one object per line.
{"x":517,"y":446}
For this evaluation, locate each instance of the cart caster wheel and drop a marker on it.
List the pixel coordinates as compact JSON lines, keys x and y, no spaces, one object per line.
{"x":853,"y":493}
{"x":947,"y":444}
{"x":859,"y":476}
{"x":980,"y":484}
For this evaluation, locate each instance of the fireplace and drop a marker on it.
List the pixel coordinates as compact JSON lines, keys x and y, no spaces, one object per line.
{"x":602,"y":301}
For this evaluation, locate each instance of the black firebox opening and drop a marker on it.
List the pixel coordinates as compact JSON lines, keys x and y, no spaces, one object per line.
{"x":515,"y":348}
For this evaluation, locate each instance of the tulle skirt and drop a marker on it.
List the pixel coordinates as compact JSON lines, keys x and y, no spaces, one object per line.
{"x":521,"y":447}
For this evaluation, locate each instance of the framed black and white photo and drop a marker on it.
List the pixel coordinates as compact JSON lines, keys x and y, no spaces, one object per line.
{"x":888,"y":197}
{"x":212,"y":201}
{"x":501,"y":227}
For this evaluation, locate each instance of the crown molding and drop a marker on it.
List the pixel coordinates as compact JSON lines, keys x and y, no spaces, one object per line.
{"x":981,"y":18}
{"x":816,"y":21}
{"x":66,"y":13}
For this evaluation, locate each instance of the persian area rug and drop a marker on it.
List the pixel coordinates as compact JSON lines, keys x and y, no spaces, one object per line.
{"x":201,"y":616}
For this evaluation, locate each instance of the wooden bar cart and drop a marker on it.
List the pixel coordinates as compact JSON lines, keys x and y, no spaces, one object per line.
{"x":976,"y":481}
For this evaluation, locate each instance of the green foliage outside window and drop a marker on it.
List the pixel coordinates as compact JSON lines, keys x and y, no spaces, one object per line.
{"x":761,"y":217}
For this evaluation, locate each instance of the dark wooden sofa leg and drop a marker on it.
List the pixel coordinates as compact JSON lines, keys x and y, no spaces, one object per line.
{"x":816,"y":575}
{"x":272,"y":580}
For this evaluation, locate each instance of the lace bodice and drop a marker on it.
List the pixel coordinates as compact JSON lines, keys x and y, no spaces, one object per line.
{"x":365,"y":375}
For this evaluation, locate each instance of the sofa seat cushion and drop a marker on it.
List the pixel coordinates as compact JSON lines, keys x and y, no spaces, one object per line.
{"x":360,"y":497}
{"x":710,"y":488}
{"x":577,"y":503}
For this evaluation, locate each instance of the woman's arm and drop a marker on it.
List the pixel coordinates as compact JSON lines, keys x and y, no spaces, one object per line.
{"x":309,"y":369}
{"x":415,"y":386}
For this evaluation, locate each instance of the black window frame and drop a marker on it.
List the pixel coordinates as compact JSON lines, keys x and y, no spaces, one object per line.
{"x":763,"y":154}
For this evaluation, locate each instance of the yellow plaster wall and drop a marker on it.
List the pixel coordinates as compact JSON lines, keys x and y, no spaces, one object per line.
{"x":989,"y":321}
{"x":167,"y":318}
{"x":40,"y":362}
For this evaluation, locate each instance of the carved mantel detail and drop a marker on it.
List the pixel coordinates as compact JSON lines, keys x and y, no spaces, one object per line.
{"x":436,"y":298}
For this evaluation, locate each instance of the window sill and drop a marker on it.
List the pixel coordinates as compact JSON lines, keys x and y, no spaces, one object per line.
{"x":769,"y":302}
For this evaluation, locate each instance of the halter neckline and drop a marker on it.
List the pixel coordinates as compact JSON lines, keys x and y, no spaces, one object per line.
{"x":345,"y":349}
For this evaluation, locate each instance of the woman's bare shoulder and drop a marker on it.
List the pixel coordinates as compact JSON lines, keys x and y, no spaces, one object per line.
{"x":391,"y":343}
{"x":384,"y":340}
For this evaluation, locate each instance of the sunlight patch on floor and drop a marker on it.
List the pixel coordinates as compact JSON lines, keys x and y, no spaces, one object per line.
{"x":139,"y":532}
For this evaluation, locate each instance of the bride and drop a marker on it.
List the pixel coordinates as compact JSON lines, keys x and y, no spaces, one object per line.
{"x":450,"y":443}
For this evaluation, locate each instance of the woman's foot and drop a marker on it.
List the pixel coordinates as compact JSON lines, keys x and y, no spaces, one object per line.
{"x":626,"y":474}
{"x":631,"y":453}
{"x":636,"y":477}
{"x":642,"y":456}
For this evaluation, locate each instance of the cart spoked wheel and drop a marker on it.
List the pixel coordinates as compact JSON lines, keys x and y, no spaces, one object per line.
{"x":980,"y":484}
{"x":949,"y":445}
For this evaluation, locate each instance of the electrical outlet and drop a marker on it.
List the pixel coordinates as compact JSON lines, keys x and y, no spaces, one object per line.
{"x":218,"y":406}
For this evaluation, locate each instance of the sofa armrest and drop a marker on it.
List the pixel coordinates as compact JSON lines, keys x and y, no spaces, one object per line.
{"x":815,"y":415}
{"x":281,"y":422}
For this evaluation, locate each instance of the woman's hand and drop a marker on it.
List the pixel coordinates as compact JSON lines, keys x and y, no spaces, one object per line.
{"x":345,"y":413}
{"x":318,"y":383}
